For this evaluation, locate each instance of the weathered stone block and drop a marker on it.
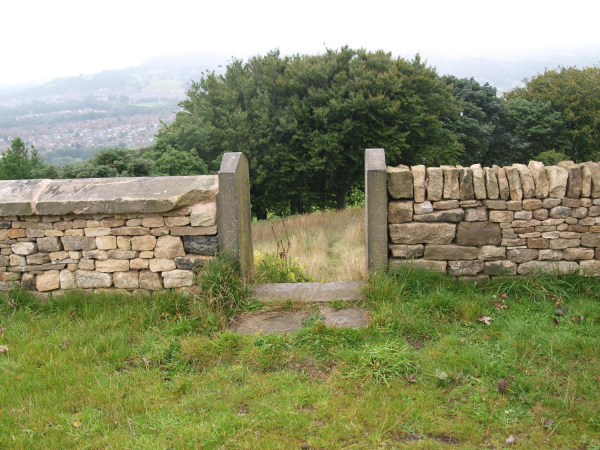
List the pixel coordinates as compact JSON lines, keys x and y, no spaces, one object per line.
{"x":38,"y":258}
{"x":160,"y":265}
{"x":153,"y":222}
{"x":177,"y":221}
{"x":575,"y":181}
{"x":476,"y":214}
{"x":590,"y":240}
{"x":500,"y":268}
{"x":527,"y":183}
{"x":78,"y":243}
{"x":450,"y":252}
{"x":451,"y":183}
{"x":514,"y":183}
{"x":451,"y":215}
{"x":420,"y":264}
{"x":126,"y":280}
{"x":460,"y":268}
{"x":552,"y":267}
{"x":400,"y":182}
{"x":446,"y":204}
{"x":112,"y":222}
{"x":48,"y":281}
{"x":491,"y":183}
{"x":492,"y":253}
{"x":400,"y":211}
{"x":538,"y":172}
{"x":17,"y":260}
{"x":191,"y":262}
{"x":205,"y":215}
{"x":423,"y":208}
{"x":435,"y":183}
{"x":578,"y":254}
{"x":89,"y":279}
{"x":478,"y":234}
{"x":201,"y":245}
{"x":178,"y":278}
{"x":141,"y":243}
{"x":24,"y":248}
{"x":418,"y":183}
{"x":151,"y":281}
{"x":557,"y":181}
{"x":130,"y":231}
{"x":101,"y":255}
{"x":522,"y":255}
{"x":550,"y":255}
{"x":501,"y":216}
{"x":571,"y":202}
{"x":495,"y":204}
{"x":590,"y":268}
{"x":124,"y":242}
{"x":94,"y":232}
{"x":560,"y":212}
{"x":112,"y":265}
{"x":138,"y":264}
{"x":106,"y":242}
{"x":169,"y":247}
{"x":579,"y":213}
{"x":422,"y":233}
{"x":523,"y":215}
{"x":122,"y":254}
{"x":560,"y":244}
{"x":67,"y":279}
{"x":465,"y":177}
{"x":532,"y":203}
{"x":15,"y":233}
{"x":193,"y":231}
{"x":538,"y":243}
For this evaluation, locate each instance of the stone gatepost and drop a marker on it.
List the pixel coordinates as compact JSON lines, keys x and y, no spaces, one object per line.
{"x":376,"y":206}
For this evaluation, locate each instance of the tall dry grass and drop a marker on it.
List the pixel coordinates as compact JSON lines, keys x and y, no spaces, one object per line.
{"x":330,"y":244}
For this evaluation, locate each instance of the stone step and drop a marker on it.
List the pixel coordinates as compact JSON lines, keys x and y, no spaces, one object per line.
{"x":308,"y":292}
{"x":269,"y":322}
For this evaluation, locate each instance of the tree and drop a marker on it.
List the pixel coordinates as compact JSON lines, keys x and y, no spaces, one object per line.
{"x":305,"y":121}
{"x":111,"y":162}
{"x":573,"y":94}
{"x":20,"y":163}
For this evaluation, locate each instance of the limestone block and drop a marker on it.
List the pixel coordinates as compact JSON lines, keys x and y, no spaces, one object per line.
{"x":193,"y":231}
{"x":67,"y":279}
{"x":594,"y":211}
{"x":503,"y":187}
{"x":538,"y":172}
{"x":422,"y":233}
{"x":160,"y":265}
{"x":575,"y":181}
{"x":169,"y":247}
{"x":38,"y":258}
{"x":163,"y":231}
{"x":123,"y":242}
{"x":451,"y":215}
{"x":407,"y":251}
{"x":586,"y":184}
{"x":522,"y":255}
{"x":400,"y":182}
{"x":560,"y":244}
{"x":523,"y":215}
{"x":557,"y":181}
{"x":560,"y":212}
{"x":570,"y":235}
{"x":201,"y":245}
{"x":492,"y":253}
{"x":138,"y":264}
{"x":101,"y":255}
{"x":540,"y":214}
{"x":72,"y":233}
{"x":94,"y":232}
{"x":478,"y":234}
{"x":112,"y":222}
{"x":479,"y":183}
{"x":579,"y":213}
{"x":153,"y":222}
{"x":35,"y":233}
{"x":550,"y":202}
{"x":435,"y":183}
{"x":594,"y":169}
{"x":106,"y":242}
{"x":590,"y":240}
{"x":151,"y":281}
{"x":89,"y":224}
{"x":87,"y":264}
{"x":476,"y":214}
{"x":205,"y":215}
{"x":122,"y":254}
{"x":15,"y":233}
{"x":514,"y":183}
{"x":89,"y":279}
{"x":500,"y":268}
{"x":191,"y":262}
{"x":400,"y":211}
{"x":17,"y":260}
{"x":531,"y":204}
{"x":465,"y":177}
{"x":451,"y":183}
{"x":491,"y":183}
{"x":48,"y":281}
{"x":550,"y":255}
{"x":178,"y":221}
{"x":112,"y":265}
{"x":552,"y":267}
{"x":24,"y":248}
{"x":126,"y":280}
{"x":501,"y":216}
{"x":578,"y":254}
{"x":446,"y":204}
{"x":527,"y":182}
{"x":64,"y":225}
{"x":420,"y":264}
{"x":450,"y":252}
{"x":495,"y":204}
{"x":146,"y":254}
{"x":538,"y":242}
{"x":178,"y":278}
{"x":129,"y":231}
{"x":590,"y":268}
{"x":418,"y":173}
{"x":27,"y":282}
{"x":134,"y":223}
{"x":141,"y":243}
{"x":78,"y":243}
{"x":57,"y":256}
{"x":422,"y":208}
{"x":459,"y":268}
{"x":470,"y":204}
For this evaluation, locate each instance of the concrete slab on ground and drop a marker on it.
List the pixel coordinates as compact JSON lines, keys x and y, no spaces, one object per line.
{"x":308,"y":292}
{"x":290,"y":321}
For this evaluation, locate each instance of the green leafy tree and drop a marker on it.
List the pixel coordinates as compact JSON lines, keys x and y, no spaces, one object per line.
{"x":112,"y":162}
{"x":304,"y":122}
{"x":573,"y":94}
{"x":169,"y":161}
{"x":20,"y":162}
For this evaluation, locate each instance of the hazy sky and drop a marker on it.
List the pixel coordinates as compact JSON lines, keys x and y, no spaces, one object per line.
{"x":45,"y":39}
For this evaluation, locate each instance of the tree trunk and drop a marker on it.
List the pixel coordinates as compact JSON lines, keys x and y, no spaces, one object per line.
{"x":342,"y":191}
{"x":260,"y":214}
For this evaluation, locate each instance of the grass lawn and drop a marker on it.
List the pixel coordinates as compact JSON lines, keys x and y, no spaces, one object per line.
{"x":111,"y":371}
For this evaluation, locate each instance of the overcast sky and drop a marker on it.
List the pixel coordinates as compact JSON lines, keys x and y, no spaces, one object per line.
{"x":45,"y":39}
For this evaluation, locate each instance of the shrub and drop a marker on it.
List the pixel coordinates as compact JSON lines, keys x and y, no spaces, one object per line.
{"x":273,"y":269}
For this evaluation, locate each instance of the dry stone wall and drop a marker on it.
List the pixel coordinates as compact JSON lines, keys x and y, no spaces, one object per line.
{"x":478,"y":222}
{"x":122,"y":233}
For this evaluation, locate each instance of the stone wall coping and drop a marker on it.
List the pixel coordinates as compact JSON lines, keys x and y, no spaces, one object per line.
{"x":105,"y":195}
